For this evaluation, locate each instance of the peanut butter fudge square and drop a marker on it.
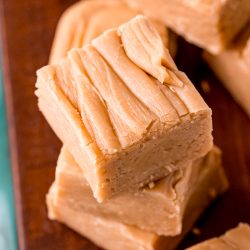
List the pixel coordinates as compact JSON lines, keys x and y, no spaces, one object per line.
{"x":69,"y":207}
{"x":210,"y":24}
{"x":127,"y":118}
{"x":163,"y":203}
{"x":88,"y":19}
{"x":232,"y":67}
{"x":236,"y":238}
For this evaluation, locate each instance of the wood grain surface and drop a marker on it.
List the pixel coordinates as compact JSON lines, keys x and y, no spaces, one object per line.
{"x":27,"y":29}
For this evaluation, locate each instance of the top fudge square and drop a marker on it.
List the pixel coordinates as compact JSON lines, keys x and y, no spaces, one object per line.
{"x":125,"y":112}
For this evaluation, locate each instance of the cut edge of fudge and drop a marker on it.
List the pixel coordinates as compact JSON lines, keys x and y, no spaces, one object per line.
{"x":173,"y":116}
{"x":95,"y":227}
{"x":236,"y":238}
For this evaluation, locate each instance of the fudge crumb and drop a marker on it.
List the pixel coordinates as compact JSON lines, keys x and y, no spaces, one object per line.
{"x":196,"y":231}
{"x":205,"y":87}
{"x":151,"y":185}
{"x":170,"y":167}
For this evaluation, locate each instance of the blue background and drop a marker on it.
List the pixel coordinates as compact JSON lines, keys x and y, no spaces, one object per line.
{"x":7,"y":212}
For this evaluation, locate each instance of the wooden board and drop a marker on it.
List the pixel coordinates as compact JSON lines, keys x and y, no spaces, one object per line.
{"x":26,"y":34}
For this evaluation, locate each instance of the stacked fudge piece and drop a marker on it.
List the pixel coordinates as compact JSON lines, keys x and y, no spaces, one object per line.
{"x":137,"y":167}
{"x":170,"y":207}
{"x":164,"y":204}
{"x":125,"y":128}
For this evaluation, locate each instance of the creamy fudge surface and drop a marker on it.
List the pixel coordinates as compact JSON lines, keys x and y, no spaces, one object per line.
{"x":163,"y":203}
{"x":67,"y":204}
{"x":210,"y":24}
{"x":236,"y":238}
{"x":232,"y":68}
{"x":88,"y":19}
{"x":124,"y":127}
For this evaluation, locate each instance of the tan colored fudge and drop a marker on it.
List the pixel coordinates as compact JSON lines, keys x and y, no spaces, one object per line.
{"x":163,"y":203}
{"x":233,"y":68}
{"x":67,"y":204}
{"x":236,"y":238}
{"x":88,"y":19}
{"x":126,"y":120}
{"x":210,"y":24}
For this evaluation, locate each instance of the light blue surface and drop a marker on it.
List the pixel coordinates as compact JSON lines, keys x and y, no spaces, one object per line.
{"x":7,"y":214}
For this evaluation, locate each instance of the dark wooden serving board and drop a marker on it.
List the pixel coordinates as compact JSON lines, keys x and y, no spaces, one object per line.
{"x":27,"y":29}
